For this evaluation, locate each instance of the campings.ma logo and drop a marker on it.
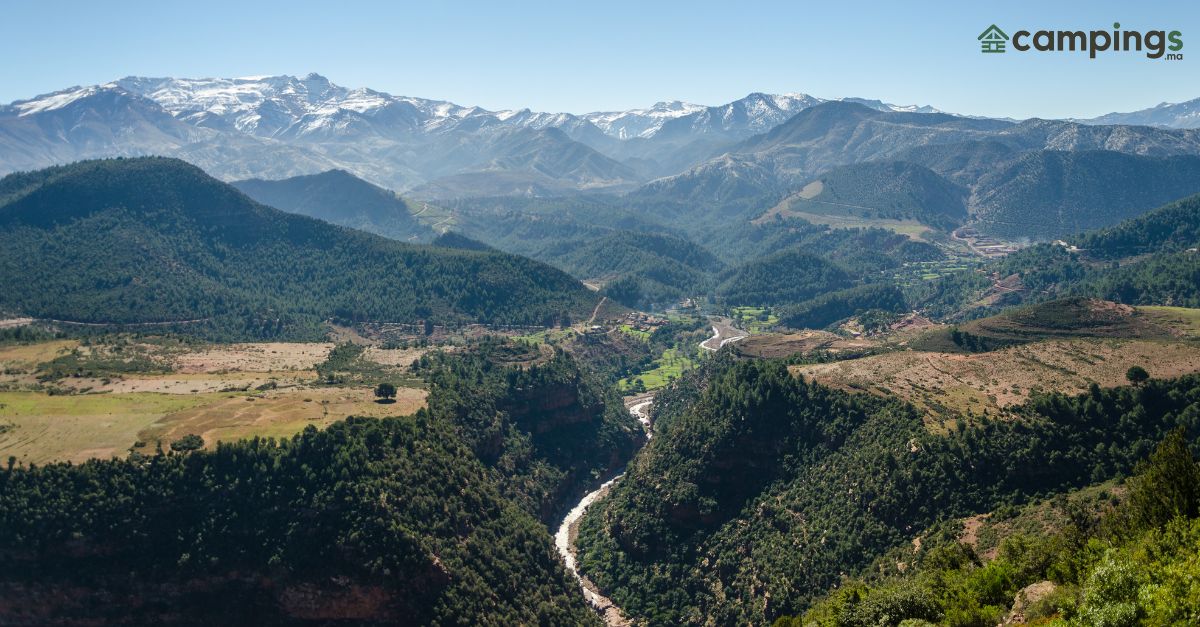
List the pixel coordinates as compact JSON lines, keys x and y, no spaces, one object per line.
{"x":1156,"y":44}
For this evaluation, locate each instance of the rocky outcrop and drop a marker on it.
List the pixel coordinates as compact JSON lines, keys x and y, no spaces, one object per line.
{"x":1026,"y":599}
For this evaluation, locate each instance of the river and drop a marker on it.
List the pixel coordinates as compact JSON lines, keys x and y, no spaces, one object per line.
{"x":564,"y":538}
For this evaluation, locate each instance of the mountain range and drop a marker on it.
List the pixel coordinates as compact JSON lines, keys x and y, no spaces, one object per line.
{"x":280,"y":126}
{"x":996,"y":161}
{"x":735,"y":159}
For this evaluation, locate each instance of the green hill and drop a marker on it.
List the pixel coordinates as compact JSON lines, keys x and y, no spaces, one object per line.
{"x":831,"y":307}
{"x":786,"y":277}
{"x":1099,"y":556}
{"x":1074,"y":317}
{"x":1069,"y":317}
{"x":341,"y":198}
{"x":156,"y":240}
{"x":643,"y":269}
{"x":1172,"y":228}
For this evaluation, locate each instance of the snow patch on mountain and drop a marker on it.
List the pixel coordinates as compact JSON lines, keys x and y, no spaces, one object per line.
{"x":56,"y":100}
{"x":287,"y":106}
{"x":640,"y":122}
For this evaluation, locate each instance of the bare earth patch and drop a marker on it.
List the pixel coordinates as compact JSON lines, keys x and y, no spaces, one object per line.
{"x":277,"y":413}
{"x":970,"y":531}
{"x":199,"y":383}
{"x":769,"y":345}
{"x":946,"y":385}
{"x":254,"y":357}
{"x":402,"y":357}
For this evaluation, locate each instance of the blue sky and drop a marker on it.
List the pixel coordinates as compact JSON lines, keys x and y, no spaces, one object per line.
{"x":586,"y":56}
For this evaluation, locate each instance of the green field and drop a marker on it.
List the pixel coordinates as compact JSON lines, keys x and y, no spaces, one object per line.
{"x":754,"y":319}
{"x":910,"y":228}
{"x":38,"y":428}
{"x":637,"y":333}
{"x":915,"y":272}
{"x":541,"y":337}
{"x":1183,"y":320}
{"x":60,"y":401}
{"x":672,"y":364}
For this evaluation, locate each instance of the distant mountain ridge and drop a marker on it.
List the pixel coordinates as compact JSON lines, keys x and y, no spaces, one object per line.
{"x":274,"y":127}
{"x":1060,"y":193}
{"x":736,"y":159}
{"x":1025,"y":179}
{"x":1168,"y":115}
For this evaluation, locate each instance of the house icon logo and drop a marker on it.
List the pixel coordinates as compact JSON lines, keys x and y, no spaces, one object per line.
{"x":992,"y":39}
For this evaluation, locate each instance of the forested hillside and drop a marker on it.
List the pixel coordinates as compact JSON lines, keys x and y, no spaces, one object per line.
{"x":549,"y":430}
{"x":436,"y":518}
{"x":785,"y":277}
{"x":759,"y":489}
{"x":1127,"y":559}
{"x":1172,"y":228}
{"x":641,"y":263}
{"x":156,"y":240}
{"x":887,"y":190}
{"x":831,"y":307}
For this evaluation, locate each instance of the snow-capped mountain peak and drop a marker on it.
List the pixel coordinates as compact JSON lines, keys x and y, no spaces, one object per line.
{"x":58,"y":99}
{"x":287,"y":106}
{"x":259,"y":105}
{"x":276,"y":126}
{"x":640,"y":122}
{"x":885,"y":106}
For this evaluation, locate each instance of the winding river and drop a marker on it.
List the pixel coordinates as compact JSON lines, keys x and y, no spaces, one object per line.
{"x":714,"y":343}
{"x":564,"y":538}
